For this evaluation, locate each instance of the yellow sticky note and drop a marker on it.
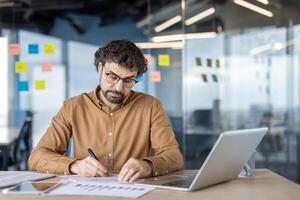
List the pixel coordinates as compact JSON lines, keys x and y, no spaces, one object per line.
{"x":49,"y":48}
{"x":40,"y":85}
{"x":164,"y":60}
{"x":20,"y":67}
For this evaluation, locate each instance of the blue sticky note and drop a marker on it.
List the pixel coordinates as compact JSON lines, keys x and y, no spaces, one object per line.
{"x":33,"y":48}
{"x":23,"y":86}
{"x":140,"y":78}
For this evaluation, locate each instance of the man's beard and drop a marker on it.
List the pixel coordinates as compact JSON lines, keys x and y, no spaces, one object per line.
{"x":114,"y":97}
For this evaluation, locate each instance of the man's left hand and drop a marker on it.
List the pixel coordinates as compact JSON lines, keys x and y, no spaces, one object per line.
{"x":134,"y":169}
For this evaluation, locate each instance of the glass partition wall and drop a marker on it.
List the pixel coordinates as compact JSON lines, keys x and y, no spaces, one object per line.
{"x":236,"y":69}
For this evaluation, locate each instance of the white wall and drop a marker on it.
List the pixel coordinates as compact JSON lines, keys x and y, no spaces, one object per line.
{"x":3,"y":82}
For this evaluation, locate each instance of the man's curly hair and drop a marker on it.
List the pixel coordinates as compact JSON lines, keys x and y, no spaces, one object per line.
{"x":123,"y":52}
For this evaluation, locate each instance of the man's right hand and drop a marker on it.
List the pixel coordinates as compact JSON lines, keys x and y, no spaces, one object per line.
{"x":88,"y":167}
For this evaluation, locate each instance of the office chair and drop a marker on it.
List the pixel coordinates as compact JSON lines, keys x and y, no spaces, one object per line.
{"x":22,"y":146}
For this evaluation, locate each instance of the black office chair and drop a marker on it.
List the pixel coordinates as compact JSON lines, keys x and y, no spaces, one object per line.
{"x":22,"y":146}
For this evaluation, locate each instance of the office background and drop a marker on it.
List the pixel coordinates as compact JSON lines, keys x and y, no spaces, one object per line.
{"x":215,"y":65}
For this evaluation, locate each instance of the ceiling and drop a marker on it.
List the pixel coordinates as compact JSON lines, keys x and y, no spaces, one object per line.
{"x":41,"y":14}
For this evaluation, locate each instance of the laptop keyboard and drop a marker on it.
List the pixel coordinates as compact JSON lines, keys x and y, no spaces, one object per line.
{"x":184,"y":183}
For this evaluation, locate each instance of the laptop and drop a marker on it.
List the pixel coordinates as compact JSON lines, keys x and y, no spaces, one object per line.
{"x":224,"y":162}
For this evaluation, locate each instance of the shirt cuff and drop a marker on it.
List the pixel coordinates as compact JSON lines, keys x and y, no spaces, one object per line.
{"x":159,"y":166}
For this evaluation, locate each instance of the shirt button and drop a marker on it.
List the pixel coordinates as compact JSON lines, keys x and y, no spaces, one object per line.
{"x":109,"y":155}
{"x":110,"y":134}
{"x":111,"y":114}
{"x":156,"y":173}
{"x":167,"y":171}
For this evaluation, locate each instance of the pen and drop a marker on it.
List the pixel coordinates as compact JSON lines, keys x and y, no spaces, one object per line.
{"x":91,"y":153}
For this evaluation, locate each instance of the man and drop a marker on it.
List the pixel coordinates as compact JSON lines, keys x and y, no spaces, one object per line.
{"x":121,"y":126}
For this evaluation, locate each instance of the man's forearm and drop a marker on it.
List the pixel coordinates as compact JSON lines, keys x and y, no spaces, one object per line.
{"x":44,"y":160}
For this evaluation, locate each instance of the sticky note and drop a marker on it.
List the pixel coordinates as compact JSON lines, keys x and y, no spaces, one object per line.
{"x":33,"y":48}
{"x":218,"y":64}
{"x":155,"y":76}
{"x":164,"y":60}
{"x":148,"y":58}
{"x":13,"y":49}
{"x":204,"y":77}
{"x":20,"y":67}
{"x":198,"y":61}
{"x":23,"y":86}
{"x":40,"y":85}
{"x":140,"y":78}
{"x":46,"y":66}
{"x":208,"y":62}
{"x":215,"y":78}
{"x":49,"y":48}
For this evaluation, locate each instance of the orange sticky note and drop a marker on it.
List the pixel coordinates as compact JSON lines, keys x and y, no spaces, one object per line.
{"x":46,"y":66}
{"x":13,"y":49}
{"x":39,"y":84}
{"x":49,"y":48}
{"x":164,"y":60}
{"x":148,"y":58}
{"x":155,"y":76}
{"x":20,"y":67}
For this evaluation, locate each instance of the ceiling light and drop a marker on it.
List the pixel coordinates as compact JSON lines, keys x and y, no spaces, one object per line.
{"x":176,"y":37}
{"x":168,"y":23}
{"x":278,"y":46}
{"x":271,"y":47}
{"x":153,"y":45}
{"x":266,"y":2}
{"x":254,"y":8}
{"x":200,"y":16}
{"x":260,"y":49}
{"x":7,"y":4}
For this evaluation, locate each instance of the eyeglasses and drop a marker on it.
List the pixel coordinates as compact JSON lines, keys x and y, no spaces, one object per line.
{"x":114,"y":79}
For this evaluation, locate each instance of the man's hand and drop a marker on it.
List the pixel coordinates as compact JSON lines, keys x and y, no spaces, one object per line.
{"x":134,"y":169}
{"x":88,"y":167}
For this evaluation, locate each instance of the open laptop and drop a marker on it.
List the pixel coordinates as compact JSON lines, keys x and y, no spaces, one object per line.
{"x":224,"y":162}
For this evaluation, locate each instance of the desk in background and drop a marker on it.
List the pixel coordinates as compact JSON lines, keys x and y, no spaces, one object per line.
{"x":265,"y":186}
{"x":7,"y":137}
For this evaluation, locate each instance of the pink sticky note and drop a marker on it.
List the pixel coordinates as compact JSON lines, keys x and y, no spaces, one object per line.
{"x":155,"y":76}
{"x":13,"y":49}
{"x":148,"y":58}
{"x":46,"y":66}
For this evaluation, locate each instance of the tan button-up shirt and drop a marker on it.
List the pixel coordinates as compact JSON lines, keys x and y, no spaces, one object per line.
{"x":133,"y":129}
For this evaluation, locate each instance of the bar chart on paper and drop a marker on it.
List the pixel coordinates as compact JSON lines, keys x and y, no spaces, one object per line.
{"x":70,"y":187}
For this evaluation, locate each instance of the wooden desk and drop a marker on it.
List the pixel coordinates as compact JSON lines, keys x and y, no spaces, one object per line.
{"x":266,"y":185}
{"x":7,"y":136}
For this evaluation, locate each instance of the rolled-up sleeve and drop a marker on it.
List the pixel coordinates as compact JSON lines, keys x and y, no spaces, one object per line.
{"x":167,"y":156}
{"x":48,"y":155}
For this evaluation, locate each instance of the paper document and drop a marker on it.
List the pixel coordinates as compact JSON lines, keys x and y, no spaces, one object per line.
{"x":113,"y":178}
{"x":9,"y":178}
{"x":70,"y":187}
